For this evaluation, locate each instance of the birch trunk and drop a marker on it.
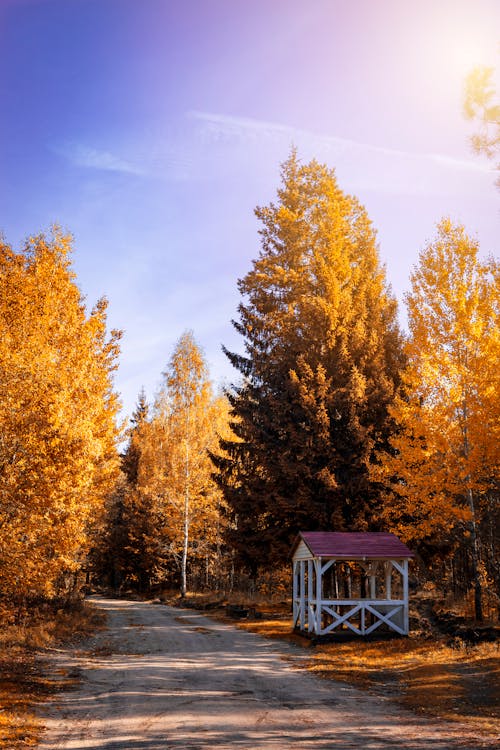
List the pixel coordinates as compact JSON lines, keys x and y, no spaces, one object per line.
{"x":185,"y":542}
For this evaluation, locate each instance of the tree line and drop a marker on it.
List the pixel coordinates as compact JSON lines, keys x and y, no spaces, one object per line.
{"x":337,"y":419}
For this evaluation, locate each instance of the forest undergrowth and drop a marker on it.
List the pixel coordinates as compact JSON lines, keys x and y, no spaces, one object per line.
{"x":25,"y":679}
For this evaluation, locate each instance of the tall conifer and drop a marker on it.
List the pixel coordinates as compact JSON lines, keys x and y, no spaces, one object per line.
{"x":132,"y":453}
{"x":321,"y":365}
{"x":122,"y":552}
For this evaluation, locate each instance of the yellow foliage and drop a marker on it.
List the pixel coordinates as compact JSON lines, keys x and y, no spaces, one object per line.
{"x":448,"y":448}
{"x":57,"y":416}
{"x":174,"y":478}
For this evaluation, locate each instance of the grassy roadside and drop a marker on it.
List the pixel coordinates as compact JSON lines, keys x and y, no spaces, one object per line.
{"x":24,"y":679}
{"x":421,"y":673}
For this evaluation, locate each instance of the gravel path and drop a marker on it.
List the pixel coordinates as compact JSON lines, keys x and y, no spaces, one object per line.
{"x":161,"y":678}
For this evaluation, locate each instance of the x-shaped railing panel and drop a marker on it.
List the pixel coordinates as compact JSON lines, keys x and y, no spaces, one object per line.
{"x":387,"y":618}
{"x":340,"y":619}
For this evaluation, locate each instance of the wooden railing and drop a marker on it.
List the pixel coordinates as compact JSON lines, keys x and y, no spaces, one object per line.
{"x":361,"y":616}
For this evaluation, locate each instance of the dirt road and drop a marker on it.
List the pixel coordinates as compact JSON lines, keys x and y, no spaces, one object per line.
{"x":161,"y":678}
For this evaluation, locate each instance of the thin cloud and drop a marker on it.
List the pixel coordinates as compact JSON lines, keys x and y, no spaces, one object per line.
{"x":191,"y":153}
{"x":221,"y":127}
{"x":88,"y":157}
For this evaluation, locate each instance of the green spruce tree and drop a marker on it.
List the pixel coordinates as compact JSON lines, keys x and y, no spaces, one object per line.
{"x":121,"y":554}
{"x":132,"y":453}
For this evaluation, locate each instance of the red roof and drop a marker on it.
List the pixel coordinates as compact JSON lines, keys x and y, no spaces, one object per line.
{"x":354,"y":545}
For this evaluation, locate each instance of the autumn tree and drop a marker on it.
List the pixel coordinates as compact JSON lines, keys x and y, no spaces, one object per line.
{"x":170,"y":511}
{"x":481,"y":104}
{"x":443,"y":478}
{"x":58,"y":457}
{"x":183,"y":410}
{"x":320,"y":368}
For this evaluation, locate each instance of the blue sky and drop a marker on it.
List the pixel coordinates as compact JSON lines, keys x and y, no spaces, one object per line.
{"x":151,"y":129}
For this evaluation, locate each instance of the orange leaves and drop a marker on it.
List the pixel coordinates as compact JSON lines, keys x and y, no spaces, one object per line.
{"x":171,"y":505}
{"x":57,"y":414}
{"x":481,"y":103}
{"x":447,"y":449}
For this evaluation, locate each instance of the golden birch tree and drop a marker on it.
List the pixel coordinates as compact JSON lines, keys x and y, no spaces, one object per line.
{"x":175,"y":471}
{"x":447,"y":454}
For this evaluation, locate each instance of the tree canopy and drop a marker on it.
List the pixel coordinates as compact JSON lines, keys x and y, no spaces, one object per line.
{"x":481,"y":104}
{"x":58,"y":432}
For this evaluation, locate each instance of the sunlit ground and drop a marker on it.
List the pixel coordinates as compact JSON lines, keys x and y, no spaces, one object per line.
{"x":422,"y":673}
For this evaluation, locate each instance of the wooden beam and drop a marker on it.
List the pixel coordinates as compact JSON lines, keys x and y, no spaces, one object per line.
{"x":310,"y":614}
{"x":406,"y":612}
{"x":342,"y":619}
{"x":388,"y":579}
{"x":400,"y":567}
{"x":302,"y":595}
{"x":387,"y":618}
{"x":295,"y":594}
{"x":319,"y":595}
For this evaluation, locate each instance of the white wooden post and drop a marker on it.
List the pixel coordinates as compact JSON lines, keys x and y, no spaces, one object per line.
{"x":406,"y":612}
{"x":302,"y":594}
{"x":388,"y":579}
{"x":319,"y":596}
{"x":310,"y":620}
{"x":295,"y":593}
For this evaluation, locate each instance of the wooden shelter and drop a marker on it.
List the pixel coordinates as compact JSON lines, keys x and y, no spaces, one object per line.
{"x":355,"y":582}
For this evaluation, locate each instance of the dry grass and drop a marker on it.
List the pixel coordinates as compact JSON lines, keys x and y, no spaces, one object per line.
{"x":426,"y":676}
{"x":423,"y":674}
{"x":23,"y":679}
